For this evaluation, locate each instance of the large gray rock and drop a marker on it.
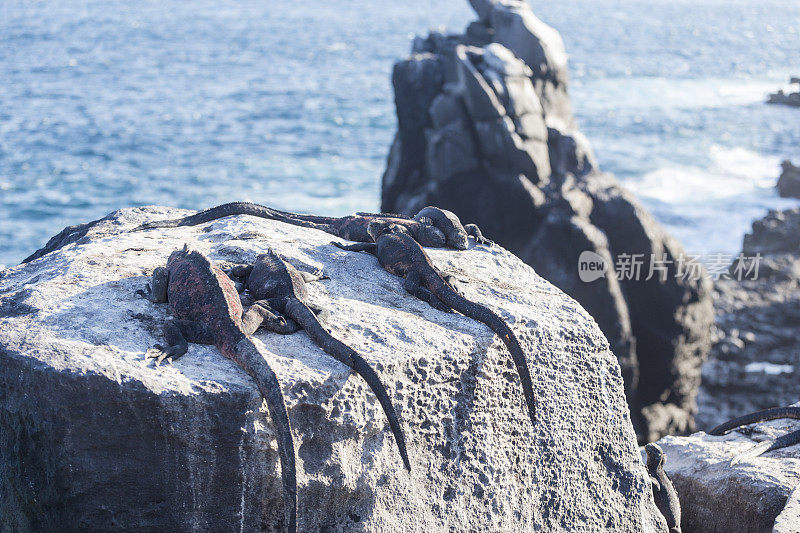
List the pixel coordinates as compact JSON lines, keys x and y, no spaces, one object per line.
{"x":755,"y":361}
{"x":789,"y":519}
{"x":94,"y":436}
{"x":486,"y":130}
{"x":752,"y":496}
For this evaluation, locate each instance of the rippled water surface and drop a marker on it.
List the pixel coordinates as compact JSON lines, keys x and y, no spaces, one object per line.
{"x":107,"y":104}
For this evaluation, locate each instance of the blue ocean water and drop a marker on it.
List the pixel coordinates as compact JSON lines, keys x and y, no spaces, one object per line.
{"x":107,"y":104}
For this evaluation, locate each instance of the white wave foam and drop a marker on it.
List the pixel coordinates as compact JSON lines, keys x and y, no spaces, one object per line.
{"x":710,"y":208}
{"x":768,"y":368}
{"x":670,"y":93}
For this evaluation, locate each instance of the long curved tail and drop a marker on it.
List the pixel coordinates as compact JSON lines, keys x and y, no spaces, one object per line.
{"x":790,"y":439}
{"x":240,"y":208}
{"x":300,"y":313}
{"x":252,"y":361}
{"x":759,"y":416}
{"x":483,"y":314}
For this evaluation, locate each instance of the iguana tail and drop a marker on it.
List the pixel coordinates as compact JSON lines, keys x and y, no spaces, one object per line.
{"x":300,"y":313}
{"x":240,"y":208}
{"x":302,"y":217}
{"x":759,"y":416}
{"x":790,"y":439}
{"x":483,"y":314}
{"x":212,"y":213}
{"x":253,"y":362}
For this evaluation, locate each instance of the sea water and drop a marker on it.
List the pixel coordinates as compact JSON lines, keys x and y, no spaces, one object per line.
{"x":107,"y":104}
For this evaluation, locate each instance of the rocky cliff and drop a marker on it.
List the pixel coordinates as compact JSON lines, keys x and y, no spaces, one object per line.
{"x":95,"y":437}
{"x":755,"y":362}
{"x":485,"y":128}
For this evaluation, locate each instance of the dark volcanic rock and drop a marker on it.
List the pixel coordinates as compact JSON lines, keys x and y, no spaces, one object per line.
{"x":486,"y":130}
{"x":755,"y":363}
{"x":789,"y":182}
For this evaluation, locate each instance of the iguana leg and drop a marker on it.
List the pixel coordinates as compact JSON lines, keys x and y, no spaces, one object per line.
{"x":246,"y":299}
{"x":158,"y":293}
{"x":263,"y":314}
{"x":178,"y":334}
{"x":239,"y":275}
{"x":475,"y":232}
{"x":413,"y":286}
{"x":452,"y":282}
{"x":322,"y":314}
{"x":370,"y":247}
{"x":310,"y":277}
{"x":239,"y":271}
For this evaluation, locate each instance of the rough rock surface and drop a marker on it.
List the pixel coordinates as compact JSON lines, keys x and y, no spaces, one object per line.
{"x":751,"y":496}
{"x":789,"y":181}
{"x":485,"y":129}
{"x":755,"y":362}
{"x":94,"y":436}
{"x":789,"y":519}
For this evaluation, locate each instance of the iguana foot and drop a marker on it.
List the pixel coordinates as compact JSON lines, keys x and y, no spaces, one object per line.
{"x":453,"y":282}
{"x":274,"y":321}
{"x":475,"y":232}
{"x":159,"y":353}
{"x":322,"y":314}
{"x":317,"y":275}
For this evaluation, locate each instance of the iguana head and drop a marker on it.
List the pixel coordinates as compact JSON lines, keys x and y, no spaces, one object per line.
{"x":655,"y":455}
{"x":448,"y":223}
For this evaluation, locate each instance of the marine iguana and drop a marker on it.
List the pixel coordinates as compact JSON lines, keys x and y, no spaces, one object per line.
{"x":401,"y":255}
{"x":207,"y":310}
{"x":430,"y":227}
{"x":664,"y":494}
{"x":447,"y":221}
{"x":768,"y":445}
{"x":282,"y":287}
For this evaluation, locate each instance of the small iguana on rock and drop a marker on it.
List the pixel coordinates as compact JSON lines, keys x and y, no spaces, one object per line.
{"x":401,"y":255}
{"x":430,"y":227}
{"x":282,"y":287}
{"x":774,"y":413}
{"x":664,"y":494}
{"x":207,"y":310}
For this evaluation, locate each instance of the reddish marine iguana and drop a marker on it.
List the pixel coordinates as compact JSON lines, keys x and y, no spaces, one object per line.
{"x":768,"y":445}
{"x":280,"y":286}
{"x":430,"y":227}
{"x":664,"y":494}
{"x":207,"y":310}
{"x":401,"y":255}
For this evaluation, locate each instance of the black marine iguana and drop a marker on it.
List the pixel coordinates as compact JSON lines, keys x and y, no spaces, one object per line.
{"x":430,"y":227}
{"x":282,"y":287}
{"x":448,"y":222}
{"x":401,"y":255}
{"x":207,"y":310}
{"x":768,"y":445}
{"x":664,"y":494}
